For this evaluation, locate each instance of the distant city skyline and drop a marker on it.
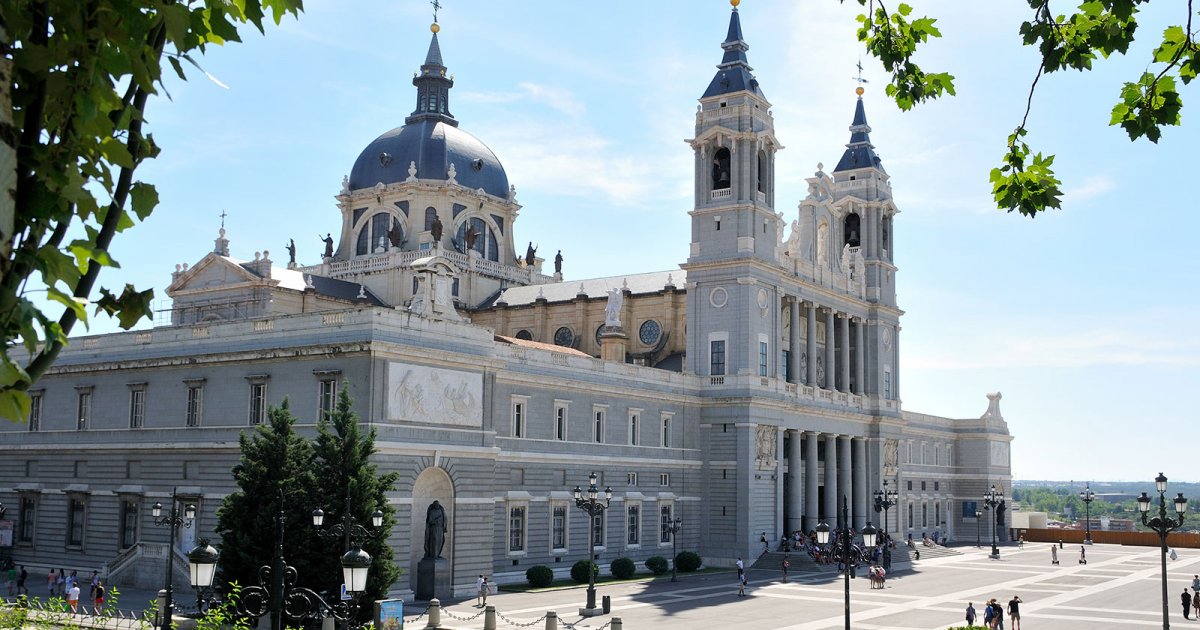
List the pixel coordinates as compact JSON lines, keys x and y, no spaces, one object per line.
{"x":1078,"y":317}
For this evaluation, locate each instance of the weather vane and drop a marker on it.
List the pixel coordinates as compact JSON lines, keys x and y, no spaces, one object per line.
{"x":436,"y":5}
{"x":858,"y":78}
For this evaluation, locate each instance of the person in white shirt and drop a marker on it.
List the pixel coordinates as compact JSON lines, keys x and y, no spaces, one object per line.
{"x":481,"y":587}
{"x":73,"y":598}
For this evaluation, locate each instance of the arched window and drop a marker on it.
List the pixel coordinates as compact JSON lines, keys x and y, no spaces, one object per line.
{"x":720,"y":169}
{"x":762,"y":172}
{"x":851,"y":229}
{"x":382,"y":230}
{"x":524,"y":334}
{"x":430,"y":215}
{"x":485,"y":238}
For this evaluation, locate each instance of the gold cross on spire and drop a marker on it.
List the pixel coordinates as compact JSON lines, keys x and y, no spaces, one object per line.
{"x":436,"y":5}
{"x":859,"y":79}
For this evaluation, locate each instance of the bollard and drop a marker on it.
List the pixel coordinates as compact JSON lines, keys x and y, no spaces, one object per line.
{"x":435,"y":614}
{"x":489,"y":618}
{"x":551,"y":620}
{"x":606,"y":604}
{"x":615,"y":624}
{"x":162,"y":605}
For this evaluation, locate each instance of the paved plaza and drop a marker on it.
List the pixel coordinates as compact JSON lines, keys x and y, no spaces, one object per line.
{"x":1119,"y":588}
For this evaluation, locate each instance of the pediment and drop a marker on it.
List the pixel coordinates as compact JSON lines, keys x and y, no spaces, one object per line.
{"x":214,"y":271}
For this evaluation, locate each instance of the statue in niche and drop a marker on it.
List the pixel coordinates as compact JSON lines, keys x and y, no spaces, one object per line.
{"x":558,"y":262}
{"x":845,"y":260}
{"x":891,"y":449}
{"x":820,"y":369}
{"x":822,"y":237}
{"x":793,"y":246}
{"x":395,"y":234}
{"x":804,"y":365}
{"x":435,"y":530}
{"x":612,"y":310}
{"x":328,"y":240}
{"x":470,"y":237}
{"x":435,"y":229}
{"x":291,"y":248}
{"x":530,"y":254}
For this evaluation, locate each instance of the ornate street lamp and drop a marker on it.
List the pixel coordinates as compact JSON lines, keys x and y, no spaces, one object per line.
{"x":591,"y":503}
{"x":202,"y":567}
{"x":978,"y":523}
{"x":992,"y":499}
{"x":846,"y":553}
{"x":885,"y":499}
{"x":674,"y":528}
{"x":355,"y":562}
{"x":1162,"y":525}
{"x":174,"y":520}
{"x":1087,"y":496}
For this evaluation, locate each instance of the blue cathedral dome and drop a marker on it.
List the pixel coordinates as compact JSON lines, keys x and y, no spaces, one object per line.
{"x":431,"y":139}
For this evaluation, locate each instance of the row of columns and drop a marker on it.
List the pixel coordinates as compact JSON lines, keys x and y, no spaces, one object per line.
{"x":835,"y":362}
{"x":845,"y":473}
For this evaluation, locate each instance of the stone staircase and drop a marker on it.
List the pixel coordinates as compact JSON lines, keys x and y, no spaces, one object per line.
{"x":936,"y":551}
{"x":800,"y":562}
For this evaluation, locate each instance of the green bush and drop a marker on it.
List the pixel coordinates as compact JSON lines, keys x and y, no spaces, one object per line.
{"x":623,"y":568}
{"x":658,"y":565}
{"x":579,"y":570}
{"x":539,"y":576}
{"x":687,"y":561}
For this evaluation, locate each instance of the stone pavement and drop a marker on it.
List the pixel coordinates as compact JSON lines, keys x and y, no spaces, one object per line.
{"x":1119,"y":587}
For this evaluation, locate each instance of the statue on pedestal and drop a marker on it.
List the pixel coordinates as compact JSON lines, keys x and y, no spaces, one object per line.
{"x":435,"y":530}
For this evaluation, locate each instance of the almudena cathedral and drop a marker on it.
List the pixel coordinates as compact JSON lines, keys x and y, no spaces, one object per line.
{"x":743,"y":392}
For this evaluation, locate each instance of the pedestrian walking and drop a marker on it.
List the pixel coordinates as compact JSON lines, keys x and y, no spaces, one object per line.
{"x":52,"y":583}
{"x":786,"y":565}
{"x":94,"y":583}
{"x":98,"y":596}
{"x":741,"y":567}
{"x":1053,"y":554}
{"x":1014,"y":612}
{"x":989,"y":615}
{"x":763,"y":540}
{"x":481,"y":587}
{"x":1187,"y":604}
{"x":742,"y":585}
{"x":999,"y":610}
{"x":73,"y":598}
{"x":1196,"y":603}
{"x":1082,"y":554}
{"x":970,"y":613}
{"x":1196,"y":583}
{"x":24,"y":575}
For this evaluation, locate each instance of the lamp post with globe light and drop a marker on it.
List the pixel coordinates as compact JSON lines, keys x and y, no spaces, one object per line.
{"x":590,"y":502}
{"x":1087,"y":496}
{"x":885,"y":499}
{"x":846,"y":553}
{"x":992,"y":499}
{"x":1162,"y":524}
{"x":178,"y":516}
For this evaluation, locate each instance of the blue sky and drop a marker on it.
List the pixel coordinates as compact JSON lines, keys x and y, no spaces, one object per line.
{"x":1082,"y":317}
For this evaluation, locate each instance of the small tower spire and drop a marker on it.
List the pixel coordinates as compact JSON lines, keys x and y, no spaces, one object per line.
{"x":433,"y":84}
{"x":860,"y":153}
{"x":734,"y":71}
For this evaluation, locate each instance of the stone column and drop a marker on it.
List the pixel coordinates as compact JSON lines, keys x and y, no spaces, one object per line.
{"x":844,"y":359}
{"x":795,"y":493}
{"x":860,"y":482}
{"x":811,"y":509}
{"x":830,"y":363}
{"x":860,"y":354}
{"x":844,"y":480}
{"x":810,"y":379}
{"x":896,"y":365}
{"x":830,"y":513}
{"x":794,"y":342}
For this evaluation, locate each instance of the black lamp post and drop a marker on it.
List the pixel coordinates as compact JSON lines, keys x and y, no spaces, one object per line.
{"x":278,"y":594}
{"x":591,"y":503}
{"x":1087,"y":496}
{"x":674,"y":528}
{"x":202,"y":567}
{"x":1162,"y":525}
{"x":355,"y":562}
{"x":885,"y":499}
{"x":991,"y":499}
{"x":978,"y":524}
{"x":846,"y":553}
{"x":174,"y":520}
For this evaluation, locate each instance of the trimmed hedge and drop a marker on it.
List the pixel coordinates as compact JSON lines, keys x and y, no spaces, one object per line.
{"x":579,"y":570}
{"x":658,"y":565}
{"x":539,"y":576}
{"x":623,"y":568}
{"x":687,"y":561}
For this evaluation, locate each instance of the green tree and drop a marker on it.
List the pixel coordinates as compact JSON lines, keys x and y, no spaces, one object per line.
{"x":343,"y":466}
{"x":75,"y":80}
{"x":1025,"y":181}
{"x":276,"y":463}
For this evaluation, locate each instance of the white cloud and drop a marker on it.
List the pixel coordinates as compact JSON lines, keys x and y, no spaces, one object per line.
{"x":1091,"y":188}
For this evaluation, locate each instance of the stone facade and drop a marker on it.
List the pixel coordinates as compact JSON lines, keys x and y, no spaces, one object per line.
{"x":744,"y":392}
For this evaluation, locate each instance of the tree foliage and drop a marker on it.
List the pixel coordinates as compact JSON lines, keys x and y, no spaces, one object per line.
{"x":75,"y":80}
{"x":1025,"y":181}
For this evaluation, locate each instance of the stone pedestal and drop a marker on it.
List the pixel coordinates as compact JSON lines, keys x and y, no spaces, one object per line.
{"x":433,"y":579}
{"x":613,"y":342}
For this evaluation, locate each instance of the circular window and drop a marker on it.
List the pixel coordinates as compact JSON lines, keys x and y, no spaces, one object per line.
{"x":650,"y":332}
{"x":762,"y":298}
{"x":718,"y":297}
{"x":599,"y":330}
{"x":525,"y":334}
{"x":564,"y":337}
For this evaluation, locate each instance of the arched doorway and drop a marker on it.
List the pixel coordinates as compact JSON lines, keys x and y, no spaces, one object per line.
{"x":433,"y":484}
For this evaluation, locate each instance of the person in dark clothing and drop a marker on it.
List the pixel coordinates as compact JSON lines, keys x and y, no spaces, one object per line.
{"x":1187,"y":604}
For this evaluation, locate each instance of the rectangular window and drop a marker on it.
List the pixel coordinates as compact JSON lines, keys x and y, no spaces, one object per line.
{"x":35,"y":411}
{"x":887,"y":385}
{"x":762,"y":358}
{"x":634,"y":524}
{"x":922,"y":486}
{"x":937,"y":486}
{"x":258,"y":403}
{"x":137,"y":408}
{"x":924,"y":515}
{"x":598,"y":424}
{"x":937,"y":514}
{"x":909,"y":485}
{"x":634,"y":429}
{"x":910,"y":516}
{"x":195,"y":404}
{"x":664,"y":479}
{"x":28,"y":519}
{"x":785,"y":365}
{"x":518,"y":418}
{"x":558,"y":533}
{"x":598,"y":530}
{"x":664,"y":523}
{"x":516,"y":528}
{"x":76,"y":516}
{"x":129,"y":523}
{"x":560,"y":421}
{"x":665,"y":433}
{"x":631,"y":479}
{"x":85,"y":409}
{"x":326,"y":398}
{"x":717,"y":358}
